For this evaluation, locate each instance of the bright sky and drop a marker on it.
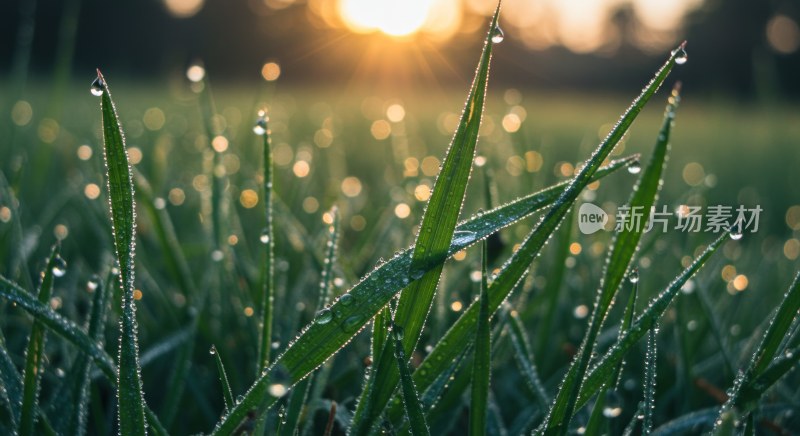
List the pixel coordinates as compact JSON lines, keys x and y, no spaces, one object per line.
{"x":580,"y":25}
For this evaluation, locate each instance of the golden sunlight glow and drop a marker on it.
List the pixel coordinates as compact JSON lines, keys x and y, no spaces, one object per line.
{"x":579,"y":25}
{"x":388,"y":16}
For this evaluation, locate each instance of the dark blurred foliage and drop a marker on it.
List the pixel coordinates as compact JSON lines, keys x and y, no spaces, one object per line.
{"x":729,"y":55}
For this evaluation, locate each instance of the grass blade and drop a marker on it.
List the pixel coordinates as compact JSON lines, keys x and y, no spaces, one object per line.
{"x":522,"y":355}
{"x":73,"y":334}
{"x":606,"y":368}
{"x":517,"y":266}
{"x":76,"y":399}
{"x":435,"y":235}
{"x":322,"y":338}
{"x":751,"y":379}
{"x":227,"y":394}
{"x":301,"y":390}
{"x":120,"y":194}
{"x":650,"y":381}
{"x":482,"y":363}
{"x":11,"y":382}
{"x":625,"y":245}
{"x":34,"y":356}
{"x":416,"y":417}
{"x":268,"y":240}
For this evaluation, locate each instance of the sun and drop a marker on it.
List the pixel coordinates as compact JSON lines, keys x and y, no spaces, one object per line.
{"x":392,"y":17}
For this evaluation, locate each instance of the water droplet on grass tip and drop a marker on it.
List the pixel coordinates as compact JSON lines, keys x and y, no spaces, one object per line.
{"x":324,"y":316}
{"x":98,"y":87}
{"x":497,"y":35}
{"x":680,"y":55}
{"x":633,"y":277}
{"x":635,"y":167}
{"x":735,"y":233}
{"x":59,"y":266}
{"x":260,"y":127}
{"x":264,"y":238}
{"x":213,"y":350}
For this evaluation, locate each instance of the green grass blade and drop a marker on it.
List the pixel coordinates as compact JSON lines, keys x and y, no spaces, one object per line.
{"x":603,"y":372}
{"x":416,"y":417}
{"x":268,"y":241}
{"x":650,"y":381}
{"x":12,"y":384}
{"x":482,"y":363}
{"x":34,"y":356}
{"x":434,"y":238}
{"x":750,"y":379}
{"x":596,"y":422}
{"x":627,"y":320}
{"x":123,"y":218}
{"x":522,"y":355}
{"x":326,"y":335}
{"x":72,"y":333}
{"x":781,"y":365}
{"x":441,"y":213}
{"x":517,"y":266}
{"x":625,"y":245}
{"x":227,"y":393}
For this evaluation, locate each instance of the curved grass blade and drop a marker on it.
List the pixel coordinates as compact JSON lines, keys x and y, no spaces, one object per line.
{"x":321,"y":339}
{"x":416,"y":418}
{"x":752,"y":392}
{"x":606,"y":368}
{"x":34,"y":356}
{"x":72,"y":333}
{"x":625,"y":245}
{"x":596,"y":423}
{"x":517,"y":266}
{"x":227,"y":394}
{"x":522,"y":355}
{"x":120,"y":195}
{"x":436,"y":232}
{"x":268,"y":240}
{"x":764,"y":354}
{"x":482,"y":362}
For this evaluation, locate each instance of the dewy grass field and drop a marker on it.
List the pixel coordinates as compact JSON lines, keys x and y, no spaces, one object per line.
{"x":280,"y":264}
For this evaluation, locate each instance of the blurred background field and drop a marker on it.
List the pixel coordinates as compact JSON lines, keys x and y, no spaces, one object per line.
{"x":360,"y":120}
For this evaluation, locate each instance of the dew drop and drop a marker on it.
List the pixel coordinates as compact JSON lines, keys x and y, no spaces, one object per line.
{"x":351,"y":323}
{"x":497,"y":35}
{"x":347,"y":299}
{"x":260,"y":127}
{"x":633,"y":277}
{"x":324,"y":316}
{"x":264,"y":238}
{"x":612,"y":412}
{"x":93,"y":283}
{"x":98,"y":87}
{"x":277,"y":390}
{"x":735,"y":234}
{"x":213,"y":350}
{"x":635,"y":167}
{"x":59,"y":266}
{"x":239,"y":399}
{"x":680,"y":56}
